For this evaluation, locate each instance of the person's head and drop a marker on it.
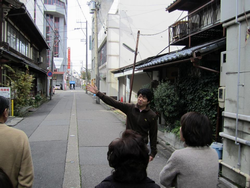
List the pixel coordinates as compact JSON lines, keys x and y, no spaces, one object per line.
{"x":144,"y":96}
{"x":129,"y":156}
{"x":4,"y":107}
{"x":196,"y":130}
{"x":5,"y":180}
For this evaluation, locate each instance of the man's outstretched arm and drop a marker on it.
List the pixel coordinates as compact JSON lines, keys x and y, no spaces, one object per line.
{"x":108,"y":100}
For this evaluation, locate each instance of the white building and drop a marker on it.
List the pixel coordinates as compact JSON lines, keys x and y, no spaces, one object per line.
{"x":235,"y":76}
{"x":50,"y":16}
{"x":118,"y":26}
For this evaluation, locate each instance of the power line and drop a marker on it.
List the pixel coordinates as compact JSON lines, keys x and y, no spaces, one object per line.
{"x":163,"y":30}
{"x":81,"y":9}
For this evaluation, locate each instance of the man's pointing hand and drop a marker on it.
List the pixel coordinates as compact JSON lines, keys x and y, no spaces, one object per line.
{"x":92,"y":89}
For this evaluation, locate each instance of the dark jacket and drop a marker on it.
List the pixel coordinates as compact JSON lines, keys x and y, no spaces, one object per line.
{"x":110,"y":183}
{"x":144,"y":122}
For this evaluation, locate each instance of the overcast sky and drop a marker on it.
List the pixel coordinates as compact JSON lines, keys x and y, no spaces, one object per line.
{"x":77,"y":32}
{"x":78,"y":12}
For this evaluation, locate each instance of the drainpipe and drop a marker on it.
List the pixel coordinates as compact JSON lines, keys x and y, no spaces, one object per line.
{"x":1,"y":20}
{"x":247,"y":176}
{"x":238,"y":84}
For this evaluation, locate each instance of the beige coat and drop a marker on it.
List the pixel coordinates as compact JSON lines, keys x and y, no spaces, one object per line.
{"x":15,"y":156}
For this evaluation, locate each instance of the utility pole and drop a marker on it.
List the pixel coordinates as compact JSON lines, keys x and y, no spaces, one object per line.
{"x":86,"y":66}
{"x":86,"y":74}
{"x":132,"y":79}
{"x":96,"y":54}
{"x":51,"y":69}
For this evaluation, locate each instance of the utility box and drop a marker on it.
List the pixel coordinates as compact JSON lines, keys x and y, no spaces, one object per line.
{"x":218,"y":147}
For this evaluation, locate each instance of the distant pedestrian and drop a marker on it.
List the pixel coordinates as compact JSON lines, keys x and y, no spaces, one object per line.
{"x":196,"y":165}
{"x":15,"y":158}
{"x":5,"y":180}
{"x":129,"y":157}
{"x":140,"y":117}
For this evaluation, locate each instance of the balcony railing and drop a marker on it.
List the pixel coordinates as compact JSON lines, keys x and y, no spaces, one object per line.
{"x":201,"y":19}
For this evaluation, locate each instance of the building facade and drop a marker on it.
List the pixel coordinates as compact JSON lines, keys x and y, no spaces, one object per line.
{"x":50,"y":16}
{"x":118,"y":23}
{"x":235,"y":91}
{"x":22,"y":47}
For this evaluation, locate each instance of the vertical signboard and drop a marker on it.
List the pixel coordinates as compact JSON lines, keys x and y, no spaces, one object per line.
{"x":68,"y":57}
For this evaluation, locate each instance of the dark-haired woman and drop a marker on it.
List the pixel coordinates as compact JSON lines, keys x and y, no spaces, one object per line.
{"x":196,"y":165}
{"x":129,"y":157}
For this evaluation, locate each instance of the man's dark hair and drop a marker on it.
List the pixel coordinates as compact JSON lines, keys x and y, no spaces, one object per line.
{"x":196,"y":129}
{"x":129,"y":157}
{"x":145,"y":93}
{"x":4,"y":103}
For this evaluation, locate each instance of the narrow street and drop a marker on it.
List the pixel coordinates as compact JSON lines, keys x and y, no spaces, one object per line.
{"x":69,"y":136}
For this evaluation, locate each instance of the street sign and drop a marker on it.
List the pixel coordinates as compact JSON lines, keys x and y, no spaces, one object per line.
{"x":49,"y":73}
{"x":5,"y":92}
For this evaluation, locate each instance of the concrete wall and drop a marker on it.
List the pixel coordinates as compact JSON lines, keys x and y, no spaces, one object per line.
{"x":140,"y":80}
{"x":237,"y":94}
{"x":228,"y":8}
{"x":119,"y":25}
{"x":113,"y":52}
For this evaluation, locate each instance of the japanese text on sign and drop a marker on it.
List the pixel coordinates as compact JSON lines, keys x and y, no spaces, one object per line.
{"x":5,"y":92}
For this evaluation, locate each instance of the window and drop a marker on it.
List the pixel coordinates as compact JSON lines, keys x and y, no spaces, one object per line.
{"x":102,"y":54}
{"x":34,"y":54}
{"x":56,"y":42}
{"x":49,"y":2}
{"x":49,"y":35}
{"x":53,"y":2}
{"x":17,"y":41}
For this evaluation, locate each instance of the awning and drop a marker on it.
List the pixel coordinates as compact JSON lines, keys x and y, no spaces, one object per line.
{"x":184,"y":55}
{"x":58,"y":72}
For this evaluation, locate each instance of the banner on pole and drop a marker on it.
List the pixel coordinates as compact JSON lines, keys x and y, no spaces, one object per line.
{"x":68,"y":57}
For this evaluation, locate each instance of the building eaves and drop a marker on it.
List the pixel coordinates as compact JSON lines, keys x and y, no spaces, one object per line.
{"x":128,"y":67}
{"x":185,"y":5}
{"x":21,"y":60}
{"x":22,"y":19}
{"x":185,"y":54}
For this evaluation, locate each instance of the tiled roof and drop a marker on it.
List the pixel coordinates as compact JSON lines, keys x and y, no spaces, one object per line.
{"x":183,"y":54}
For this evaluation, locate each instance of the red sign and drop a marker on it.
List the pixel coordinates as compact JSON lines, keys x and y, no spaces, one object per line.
{"x":68,"y":57}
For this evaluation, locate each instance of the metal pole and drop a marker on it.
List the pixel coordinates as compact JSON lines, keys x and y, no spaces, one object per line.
{"x":86,"y":73}
{"x":132,"y":78}
{"x":96,"y":56}
{"x":51,"y":69}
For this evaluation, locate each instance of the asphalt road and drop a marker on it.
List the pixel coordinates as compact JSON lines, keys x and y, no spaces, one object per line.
{"x":69,"y":136}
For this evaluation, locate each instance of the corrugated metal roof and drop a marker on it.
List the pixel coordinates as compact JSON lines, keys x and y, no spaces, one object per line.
{"x":183,"y":54}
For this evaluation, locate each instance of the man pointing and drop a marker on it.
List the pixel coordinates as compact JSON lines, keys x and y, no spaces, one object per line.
{"x":140,"y":117}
